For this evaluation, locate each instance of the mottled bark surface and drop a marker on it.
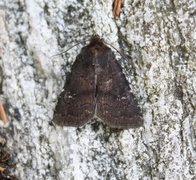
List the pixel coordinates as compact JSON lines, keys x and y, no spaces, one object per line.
{"x":159,"y":40}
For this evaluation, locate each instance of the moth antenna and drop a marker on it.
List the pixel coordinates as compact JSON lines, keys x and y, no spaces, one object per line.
{"x":69,"y":48}
{"x":117,"y":50}
{"x":65,"y":50}
{"x":124,"y":56}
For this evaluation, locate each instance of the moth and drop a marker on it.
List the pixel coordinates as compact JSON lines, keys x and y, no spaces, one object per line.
{"x":97,"y":87}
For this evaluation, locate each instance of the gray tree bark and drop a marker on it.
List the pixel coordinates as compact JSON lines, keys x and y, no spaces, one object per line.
{"x":159,"y":39}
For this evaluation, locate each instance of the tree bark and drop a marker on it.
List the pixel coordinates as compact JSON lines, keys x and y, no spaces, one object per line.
{"x":159,"y":41}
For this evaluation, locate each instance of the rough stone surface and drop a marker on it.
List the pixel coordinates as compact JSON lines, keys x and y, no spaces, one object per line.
{"x":159,"y":41}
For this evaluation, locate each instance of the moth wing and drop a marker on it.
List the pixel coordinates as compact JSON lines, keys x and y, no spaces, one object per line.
{"x":76,"y":104}
{"x":116,"y":105}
